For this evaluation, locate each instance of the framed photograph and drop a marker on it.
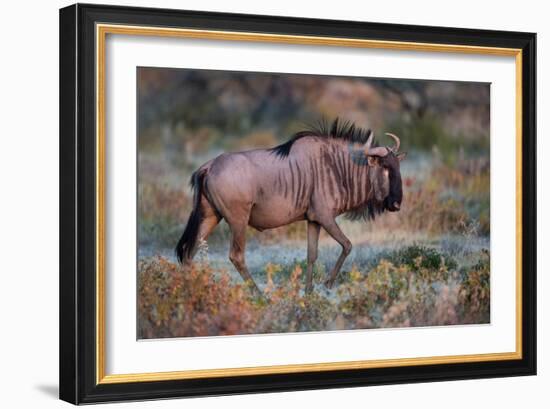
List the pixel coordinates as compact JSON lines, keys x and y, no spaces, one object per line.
{"x":257,"y":203}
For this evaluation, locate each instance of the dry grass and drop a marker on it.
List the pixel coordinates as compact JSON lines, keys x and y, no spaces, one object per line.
{"x":400,"y":291}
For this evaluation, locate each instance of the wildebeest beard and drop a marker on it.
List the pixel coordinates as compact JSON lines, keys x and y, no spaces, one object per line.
{"x":368,"y":210}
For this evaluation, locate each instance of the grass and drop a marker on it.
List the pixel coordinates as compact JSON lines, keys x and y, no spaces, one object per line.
{"x":415,"y":286}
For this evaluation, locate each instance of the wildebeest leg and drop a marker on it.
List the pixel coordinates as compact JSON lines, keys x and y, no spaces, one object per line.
{"x":236,"y":255}
{"x":332,"y":228}
{"x":206,"y":227}
{"x":209,"y":220}
{"x":313,"y":230}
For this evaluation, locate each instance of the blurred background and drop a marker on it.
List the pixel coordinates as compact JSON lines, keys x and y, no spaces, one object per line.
{"x":186,"y":117}
{"x":196,"y":111}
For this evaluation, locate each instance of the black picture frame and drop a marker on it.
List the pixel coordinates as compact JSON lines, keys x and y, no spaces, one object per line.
{"x":78,"y":360}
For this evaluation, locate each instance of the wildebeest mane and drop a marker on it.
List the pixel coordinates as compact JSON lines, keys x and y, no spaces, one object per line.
{"x":344,"y":130}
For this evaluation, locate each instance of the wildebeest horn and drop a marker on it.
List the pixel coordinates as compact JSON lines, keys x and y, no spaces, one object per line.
{"x":369,"y":141}
{"x":397,"y":142}
{"x":376,"y":151}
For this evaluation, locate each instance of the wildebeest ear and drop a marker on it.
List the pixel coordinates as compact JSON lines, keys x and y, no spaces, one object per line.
{"x":373,"y":160}
{"x":402,"y":156}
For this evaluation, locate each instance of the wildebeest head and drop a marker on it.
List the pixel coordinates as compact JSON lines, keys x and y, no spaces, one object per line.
{"x":385,"y":173}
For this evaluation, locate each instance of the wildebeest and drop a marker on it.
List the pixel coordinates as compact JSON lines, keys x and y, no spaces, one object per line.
{"x":315,"y":176}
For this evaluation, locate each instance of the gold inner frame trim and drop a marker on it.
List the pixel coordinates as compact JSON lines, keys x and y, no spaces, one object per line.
{"x":101,"y":33}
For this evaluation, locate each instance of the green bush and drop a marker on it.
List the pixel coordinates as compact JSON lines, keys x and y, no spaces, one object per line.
{"x":416,"y":257}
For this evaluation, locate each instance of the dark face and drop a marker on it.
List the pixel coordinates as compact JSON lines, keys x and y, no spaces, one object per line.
{"x":392,"y":174}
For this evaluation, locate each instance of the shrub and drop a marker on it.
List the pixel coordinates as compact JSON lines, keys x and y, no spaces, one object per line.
{"x":289,"y":309}
{"x":416,"y":286}
{"x":178,"y":302}
{"x":417,"y":257}
{"x":475,"y":292}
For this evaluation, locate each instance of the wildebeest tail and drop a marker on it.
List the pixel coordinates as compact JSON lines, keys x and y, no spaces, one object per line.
{"x":188,"y":240}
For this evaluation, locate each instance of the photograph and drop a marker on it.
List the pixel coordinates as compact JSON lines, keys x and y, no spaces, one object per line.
{"x":256,"y":203}
{"x":272,"y":202}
